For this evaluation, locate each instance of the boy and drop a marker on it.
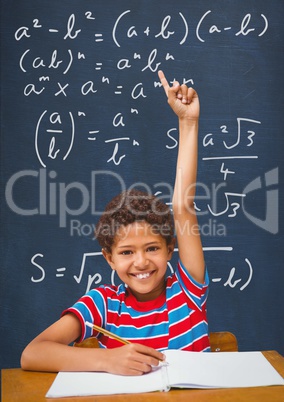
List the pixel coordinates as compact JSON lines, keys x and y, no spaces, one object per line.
{"x":153,"y":312}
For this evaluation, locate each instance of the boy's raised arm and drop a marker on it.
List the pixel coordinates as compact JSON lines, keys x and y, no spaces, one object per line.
{"x":185,"y":103}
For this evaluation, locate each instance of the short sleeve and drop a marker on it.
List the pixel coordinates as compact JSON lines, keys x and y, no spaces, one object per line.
{"x":92,"y":308}
{"x":195,"y":291}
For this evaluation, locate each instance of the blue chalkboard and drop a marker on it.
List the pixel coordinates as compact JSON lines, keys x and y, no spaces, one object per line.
{"x":83,"y":116}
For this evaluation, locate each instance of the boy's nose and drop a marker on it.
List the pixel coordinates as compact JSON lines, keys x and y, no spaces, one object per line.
{"x":140,"y":260}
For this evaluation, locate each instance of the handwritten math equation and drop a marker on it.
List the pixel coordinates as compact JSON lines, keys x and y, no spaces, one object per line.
{"x":237,"y":278}
{"x":48,"y":70}
{"x":123,"y":27}
{"x":61,"y":130}
{"x":237,"y":145}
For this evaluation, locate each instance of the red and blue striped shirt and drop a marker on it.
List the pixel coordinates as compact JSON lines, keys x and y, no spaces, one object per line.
{"x":175,"y":320}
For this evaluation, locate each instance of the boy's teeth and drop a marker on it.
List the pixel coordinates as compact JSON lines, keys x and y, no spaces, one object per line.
{"x":142,"y":276}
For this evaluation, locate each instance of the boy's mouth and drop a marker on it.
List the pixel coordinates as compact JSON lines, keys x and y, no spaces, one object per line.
{"x":144,"y":275}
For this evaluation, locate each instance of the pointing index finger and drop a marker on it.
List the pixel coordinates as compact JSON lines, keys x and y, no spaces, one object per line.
{"x":164,"y":81}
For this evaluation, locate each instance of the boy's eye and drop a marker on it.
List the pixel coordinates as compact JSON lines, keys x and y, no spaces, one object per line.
{"x":126,"y":252}
{"x":152,"y":248}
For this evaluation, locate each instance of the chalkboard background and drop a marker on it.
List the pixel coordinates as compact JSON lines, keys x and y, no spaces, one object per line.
{"x":83,"y":117}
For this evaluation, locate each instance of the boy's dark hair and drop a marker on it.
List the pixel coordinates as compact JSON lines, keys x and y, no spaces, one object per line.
{"x":131,"y":206}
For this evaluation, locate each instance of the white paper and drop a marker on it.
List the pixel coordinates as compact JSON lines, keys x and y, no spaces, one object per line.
{"x":86,"y":383}
{"x":184,"y":370}
{"x":220,"y":370}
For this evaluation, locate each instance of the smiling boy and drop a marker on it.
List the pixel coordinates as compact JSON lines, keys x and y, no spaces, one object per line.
{"x":152,"y":311}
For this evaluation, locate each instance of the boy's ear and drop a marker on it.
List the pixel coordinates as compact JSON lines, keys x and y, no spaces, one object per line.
{"x":108,"y":257}
{"x":171,"y":247}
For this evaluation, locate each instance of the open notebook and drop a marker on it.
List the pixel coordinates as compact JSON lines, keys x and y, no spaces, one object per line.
{"x":183,"y":370}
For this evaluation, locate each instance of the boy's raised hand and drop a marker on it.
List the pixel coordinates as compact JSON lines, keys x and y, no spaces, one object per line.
{"x":183,"y":100}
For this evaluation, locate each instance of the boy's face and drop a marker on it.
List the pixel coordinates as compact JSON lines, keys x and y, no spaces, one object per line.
{"x":139,"y":256}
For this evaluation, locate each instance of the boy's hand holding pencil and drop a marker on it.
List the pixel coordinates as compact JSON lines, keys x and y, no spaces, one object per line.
{"x":136,"y":353}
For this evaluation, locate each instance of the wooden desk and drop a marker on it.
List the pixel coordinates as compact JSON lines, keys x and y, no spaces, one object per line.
{"x":25,"y":386}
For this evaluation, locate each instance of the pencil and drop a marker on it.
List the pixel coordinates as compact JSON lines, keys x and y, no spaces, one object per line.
{"x":113,"y":336}
{"x":108,"y":333}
